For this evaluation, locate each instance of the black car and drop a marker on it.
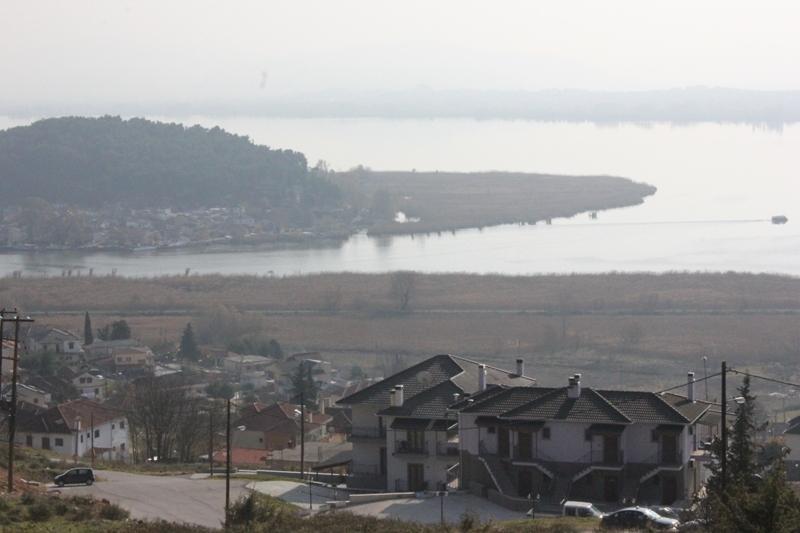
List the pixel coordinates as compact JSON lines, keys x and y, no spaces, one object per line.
{"x":75,"y":476}
{"x":637,"y":518}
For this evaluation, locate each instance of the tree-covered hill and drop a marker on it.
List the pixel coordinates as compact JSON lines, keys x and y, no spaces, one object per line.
{"x":99,"y":161}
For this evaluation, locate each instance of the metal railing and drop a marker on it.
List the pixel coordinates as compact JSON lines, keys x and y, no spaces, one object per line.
{"x":367,"y":432}
{"x":402,"y":485}
{"x":408,"y":447}
{"x":449,"y":449}
{"x":603,"y":457}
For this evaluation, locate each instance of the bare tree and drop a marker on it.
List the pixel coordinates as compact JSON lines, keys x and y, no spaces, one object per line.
{"x":402,"y":289}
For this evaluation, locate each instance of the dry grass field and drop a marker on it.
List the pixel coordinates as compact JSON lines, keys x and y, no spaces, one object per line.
{"x":643,"y":330}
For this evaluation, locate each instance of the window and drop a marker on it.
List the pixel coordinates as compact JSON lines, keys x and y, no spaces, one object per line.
{"x":59,"y":442}
{"x":491,"y":430}
{"x":121,"y":424}
{"x":96,"y":433}
{"x":122,"y":447}
{"x":81,"y":438}
{"x":71,"y":345}
{"x":112,"y":426}
{"x":546,"y":433}
{"x":654,"y":436}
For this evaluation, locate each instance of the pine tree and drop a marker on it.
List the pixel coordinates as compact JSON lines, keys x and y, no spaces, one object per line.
{"x":742,"y":449}
{"x":88,"y":335}
{"x":189,"y":349}
{"x":303,"y":383}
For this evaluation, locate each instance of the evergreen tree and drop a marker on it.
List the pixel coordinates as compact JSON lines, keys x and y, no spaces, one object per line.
{"x":303,"y":383}
{"x":742,"y":450}
{"x":117,"y":330}
{"x":189,"y":349}
{"x":88,"y":336}
{"x":274,"y":349}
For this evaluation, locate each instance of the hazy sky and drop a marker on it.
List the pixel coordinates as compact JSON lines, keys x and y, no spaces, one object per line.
{"x":195,"y":50}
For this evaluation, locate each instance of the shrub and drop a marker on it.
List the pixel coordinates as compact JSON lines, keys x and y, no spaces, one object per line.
{"x":28,"y":498}
{"x":113,"y":512}
{"x":259,"y":508}
{"x":39,"y":511}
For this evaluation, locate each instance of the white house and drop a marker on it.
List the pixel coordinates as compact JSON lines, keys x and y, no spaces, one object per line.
{"x":74,"y":428}
{"x":580,"y":443}
{"x":40,"y":338}
{"x":403,"y":436}
{"x":92,"y":386}
{"x":28,"y":394}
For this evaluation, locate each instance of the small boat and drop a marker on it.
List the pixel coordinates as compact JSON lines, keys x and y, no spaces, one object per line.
{"x":780,"y":219}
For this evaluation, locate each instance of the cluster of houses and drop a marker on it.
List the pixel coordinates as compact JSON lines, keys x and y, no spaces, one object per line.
{"x":446,"y":422}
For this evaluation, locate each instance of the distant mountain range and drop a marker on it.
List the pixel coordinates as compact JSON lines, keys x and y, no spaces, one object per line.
{"x":695,"y":104}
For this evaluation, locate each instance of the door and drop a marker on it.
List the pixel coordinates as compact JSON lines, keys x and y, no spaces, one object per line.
{"x":610,"y":449}
{"x":416,"y":477}
{"x":524,"y":444}
{"x":502,"y":442}
{"x":610,"y":488}
{"x":382,"y":459}
{"x":669,"y":490}
{"x":29,"y":441}
{"x":45,"y":443}
{"x":669,"y":448}
{"x":524,"y":483}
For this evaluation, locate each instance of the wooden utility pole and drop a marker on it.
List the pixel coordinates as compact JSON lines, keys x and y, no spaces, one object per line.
{"x":12,"y":408}
{"x":91,"y":423}
{"x":228,"y":466}
{"x":3,"y":314}
{"x":724,"y":415}
{"x":211,"y":441}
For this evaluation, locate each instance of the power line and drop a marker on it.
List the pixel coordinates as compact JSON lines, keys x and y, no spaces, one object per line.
{"x":684,"y":384}
{"x":773,"y":380}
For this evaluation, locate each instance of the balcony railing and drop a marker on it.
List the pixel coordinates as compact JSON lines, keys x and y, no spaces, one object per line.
{"x":411,"y":448}
{"x":367,"y":432}
{"x":449,"y":449}
{"x":603,"y":457}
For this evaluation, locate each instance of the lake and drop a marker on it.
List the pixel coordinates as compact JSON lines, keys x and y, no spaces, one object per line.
{"x":719,"y":184}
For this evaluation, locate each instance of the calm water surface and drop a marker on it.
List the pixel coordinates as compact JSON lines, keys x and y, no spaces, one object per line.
{"x":718,"y":187}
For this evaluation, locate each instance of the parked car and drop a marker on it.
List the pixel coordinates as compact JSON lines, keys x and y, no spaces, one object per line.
{"x":665,"y":511}
{"x":581,"y":509}
{"x":638,"y":518}
{"x":75,"y":476}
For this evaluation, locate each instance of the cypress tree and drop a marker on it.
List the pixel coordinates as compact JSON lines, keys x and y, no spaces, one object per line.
{"x":88,"y":335}
{"x":189,"y":349}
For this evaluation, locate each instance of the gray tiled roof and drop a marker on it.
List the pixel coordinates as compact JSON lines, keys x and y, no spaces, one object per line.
{"x":507,"y":400}
{"x":794,"y":430}
{"x":644,"y":407}
{"x":557,"y":405}
{"x":491,"y":390}
{"x":691,"y":410}
{"x":432,"y":403}
{"x":415,"y":379}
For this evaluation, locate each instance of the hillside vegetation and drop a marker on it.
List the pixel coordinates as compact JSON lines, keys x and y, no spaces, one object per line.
{"x":93,"y":162}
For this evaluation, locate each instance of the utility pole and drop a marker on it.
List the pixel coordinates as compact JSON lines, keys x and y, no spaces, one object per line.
{"x":228,"y":466}
{"x":302,"y":433}
{"x":91,"y":423}
{"x":211,"y":441}
{"x":12,"y":411}
{"x":724,"y":458}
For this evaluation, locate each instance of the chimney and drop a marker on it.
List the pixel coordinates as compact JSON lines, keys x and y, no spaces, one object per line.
{"x":392,"y":401}
{"x":398,"y":396}
{"x":690,"y":386}
{"x":481,"y":378}
{"x":520,"y":367}
{"x":456,"y":397}
{"x":322,"y":405}
{"x":574,"y":388}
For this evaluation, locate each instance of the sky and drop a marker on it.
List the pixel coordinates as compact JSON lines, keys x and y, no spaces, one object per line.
{"x":197,"y":50}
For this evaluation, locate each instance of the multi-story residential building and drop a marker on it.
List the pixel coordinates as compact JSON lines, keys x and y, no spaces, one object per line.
{"x":404,"y":437}
{"x":91,"y":385}
{"x":40,"y":339}
{"x":580,"y":443}
{"x":74,"y":428}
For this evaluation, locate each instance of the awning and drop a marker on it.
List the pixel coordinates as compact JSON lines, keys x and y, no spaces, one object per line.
{"x":612,"y":429}
{"x":443,"y":425}
{"x":669,"y":428}
{"x":410,"y":423}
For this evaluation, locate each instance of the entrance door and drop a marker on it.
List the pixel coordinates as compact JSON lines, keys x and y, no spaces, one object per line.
{"x":610,"y":488}
{"x":45,"y":443}
{"x":416,"y":477}
{"x":610,"y":449}
{"x":669,"y":490}
{"x":502,"y":442}
{"x":669,"y":448}
{"x":382,"y":461}
{"x":524,"y":445}
{"x":524,"y":483}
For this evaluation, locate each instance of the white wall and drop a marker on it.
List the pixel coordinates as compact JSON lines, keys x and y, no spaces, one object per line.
{"x":435,"y":466}
{"x":793,"y":442}
{"x":567,"y":441}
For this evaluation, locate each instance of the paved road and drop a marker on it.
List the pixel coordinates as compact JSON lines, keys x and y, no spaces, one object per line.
{"x":172,"y":498}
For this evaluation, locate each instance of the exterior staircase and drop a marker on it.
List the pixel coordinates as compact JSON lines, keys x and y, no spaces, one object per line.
{"x":499,"y":475}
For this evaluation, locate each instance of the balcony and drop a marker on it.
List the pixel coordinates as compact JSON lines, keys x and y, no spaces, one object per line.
{"x":447,"y":449}
{"x":367,"y":433}
{"x":603,"y":457}
{"x":404,"y":447}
